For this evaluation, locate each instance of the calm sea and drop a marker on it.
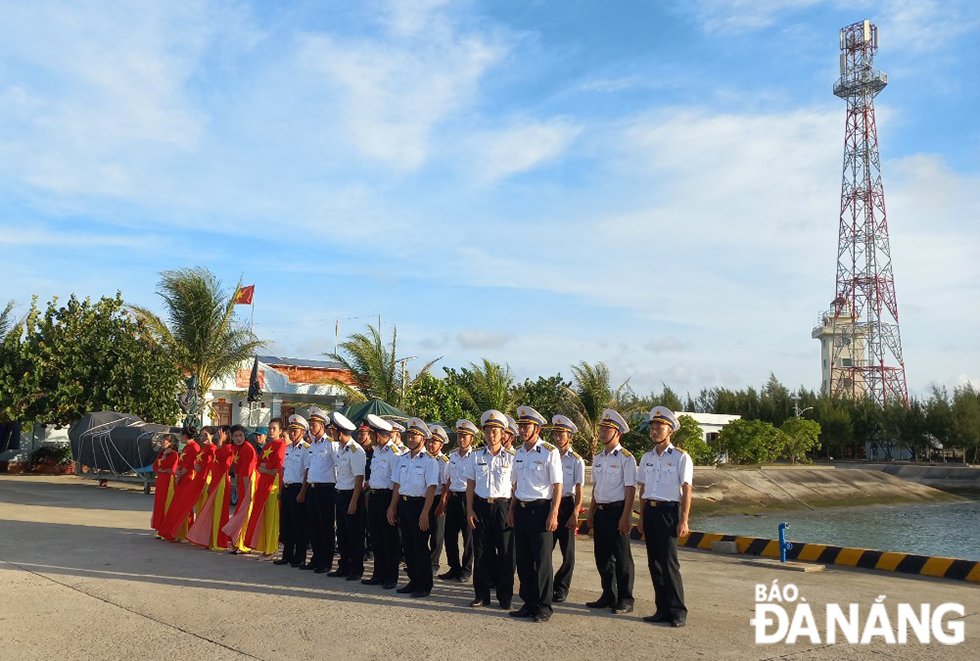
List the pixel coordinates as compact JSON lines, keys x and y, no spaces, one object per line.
{"x":949,"y":530}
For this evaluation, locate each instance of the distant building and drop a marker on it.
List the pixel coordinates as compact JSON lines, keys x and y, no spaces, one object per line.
{"x":831,"y":335}
{"x":711,"y":425}
{"x":289,"y":385}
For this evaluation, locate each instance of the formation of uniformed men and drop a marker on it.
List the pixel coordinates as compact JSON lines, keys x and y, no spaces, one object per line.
{"x":497,"y":508}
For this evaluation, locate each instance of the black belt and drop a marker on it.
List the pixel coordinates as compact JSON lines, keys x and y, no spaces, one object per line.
{"x":413,"y":498}
{"x":498,"y":499}
{"x":534,"y":503}
{"x":457,"y":493}
{"x":618,"y":503}
{"x":313,"y":485}
{"x":373,"y":490}
{"x":287,"y":485}
{"x":350,"y":491}
{"x":661,"y":503}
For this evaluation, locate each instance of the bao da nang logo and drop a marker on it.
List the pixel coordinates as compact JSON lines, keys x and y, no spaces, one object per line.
{"x":782,"y":615}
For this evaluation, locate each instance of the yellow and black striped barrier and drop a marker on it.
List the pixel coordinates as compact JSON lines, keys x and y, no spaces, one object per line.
{"x":905,"y":563}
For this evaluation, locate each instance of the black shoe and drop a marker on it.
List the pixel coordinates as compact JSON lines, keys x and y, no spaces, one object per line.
{"x":337,"y":572}
{"x":523,"y":611}
{"x":599,"y":604}
{"x":307,"y":567}
{"x":559,"y":598}
{"x":389,"y":585}
{"x":657,"y":618}
{"x":542,"y":617}
{"x":281,"y":561}
{"x":354,"y":577}
{"x":320,"y":570}
{"x":406,"y":589}
{"x":372,"y":581}
{"x":296,"y":565}
{"x":463,"y":578}
{"x":449,"y":576}
{"x":619,"y":609}
{"x":479,"y":603}
{"x":420,"y":593}
{"x":679,"y":622}
{"x":505,"y":604}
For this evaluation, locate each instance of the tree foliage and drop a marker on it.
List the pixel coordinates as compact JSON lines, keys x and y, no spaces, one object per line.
{"x":435,"y":400}
{"x":801,"y":436}
{"x":751,"y":442}
{"x":68,"y":360}
{"x":6,"y":319}
{"x":198,"y":328}
{"x":484,"y":386}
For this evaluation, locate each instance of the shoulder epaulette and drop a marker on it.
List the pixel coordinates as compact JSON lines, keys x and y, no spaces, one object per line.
{"x":304,"y":444}
{"x":680,"y":449}
{"x":509,"y":451}
{"x":626,"y":453}
{"x":576,"y":454}
{"x":444,"y":457}
{"x":548,"y":446}
{"x":430,"y":454}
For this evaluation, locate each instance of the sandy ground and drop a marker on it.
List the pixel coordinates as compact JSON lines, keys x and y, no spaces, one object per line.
{"x":81,"y":577}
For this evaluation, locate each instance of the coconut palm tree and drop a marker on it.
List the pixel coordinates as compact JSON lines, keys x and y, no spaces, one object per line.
{"x":488,"y":385}
{"x":199,"y":327}
{"x":590,"y":394}
{"x":6,"y":320}
{"x":375,"y":370}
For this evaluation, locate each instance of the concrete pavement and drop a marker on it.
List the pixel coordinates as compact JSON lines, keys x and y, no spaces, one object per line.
{"x":81,"y":576}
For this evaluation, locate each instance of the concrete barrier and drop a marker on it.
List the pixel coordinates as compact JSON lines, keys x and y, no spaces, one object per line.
{"x":904,"y":563}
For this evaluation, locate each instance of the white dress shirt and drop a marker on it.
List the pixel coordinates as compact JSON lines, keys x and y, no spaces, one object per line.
{"x":383,"y":465}
{"x":414,"y":475}
{"x":572,"y":471}
{"x":322,"y":461}
{"x":351,"y":461}
{"x":536,"y":471}
{"x":492,"y":474}
{"x":612,"y":472}
{"x":662,"y":475}
{"x":457,"y":469}
{"x":443,"y":471}
{"x":296,"y":462}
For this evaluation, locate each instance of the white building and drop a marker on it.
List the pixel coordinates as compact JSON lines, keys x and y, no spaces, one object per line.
{"x":838,"y":338}
{"x":289,"y":385}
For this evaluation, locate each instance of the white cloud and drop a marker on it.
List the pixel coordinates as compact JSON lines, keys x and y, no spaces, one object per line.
{"x":521,"y":148}
{"x":738,"y":15}
{"x":473,"y":339}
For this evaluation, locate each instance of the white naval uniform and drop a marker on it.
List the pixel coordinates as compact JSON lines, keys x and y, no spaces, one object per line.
{"x":573,"y":471}
{"x":443,"y":471}
{"x":536,"y":471}
{"x":492,"y":474}
{"x":296,"y":462}
{"x":414,"y":475}
{"x":612,"y":472}
{"x":322,"y":462}
{"x":351,"y":462}
{"x":663,"y":475}
{"x":457,"y":470}
{"x":383,"y":465}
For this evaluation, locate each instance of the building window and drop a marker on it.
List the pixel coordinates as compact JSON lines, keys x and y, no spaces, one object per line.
{"x":846,"y":362}
{"x":825,"y":363}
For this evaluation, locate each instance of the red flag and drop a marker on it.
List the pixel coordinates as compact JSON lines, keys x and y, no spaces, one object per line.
{"x":244,"y":295}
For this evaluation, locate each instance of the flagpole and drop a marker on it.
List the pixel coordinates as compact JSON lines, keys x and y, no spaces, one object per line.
{"x":251,"y":324}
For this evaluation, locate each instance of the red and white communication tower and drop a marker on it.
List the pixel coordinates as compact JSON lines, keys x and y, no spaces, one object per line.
{"x":862,"y":346}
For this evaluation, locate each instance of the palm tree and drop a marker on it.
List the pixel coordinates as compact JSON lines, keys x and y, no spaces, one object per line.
{"x":374,"y":368}
{"x":487,"y":386}
{"x":590,"y":395}
{"x":6,"y":320}
{"x":200,"y":330}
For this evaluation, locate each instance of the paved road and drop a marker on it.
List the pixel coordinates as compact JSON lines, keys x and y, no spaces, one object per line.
{"x":81,"y":577}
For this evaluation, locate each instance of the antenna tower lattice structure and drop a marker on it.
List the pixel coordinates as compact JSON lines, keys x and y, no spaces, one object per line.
{"x":863,"y":319}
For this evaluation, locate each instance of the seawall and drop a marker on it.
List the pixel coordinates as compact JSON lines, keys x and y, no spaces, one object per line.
{"x":753,"y":489}
{"x":947,"y":477}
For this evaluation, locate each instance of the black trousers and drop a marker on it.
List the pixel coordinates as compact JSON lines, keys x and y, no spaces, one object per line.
{"x":660,"y":532}
{"x":493,"y":550}
{"x":415,"y":543}
{"x":292,"y":525}
{"x":613,"y":557}
{"x":384,"y":537}
{"x":350,"y":533}
{"x":456,"y":526}
{"x":320,"y":524}
{"x":533,"y":550}
{"x":437,"y":534}
{"x":565,"y":539}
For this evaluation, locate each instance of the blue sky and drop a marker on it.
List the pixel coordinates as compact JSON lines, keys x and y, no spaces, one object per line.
{"x":651,"y":184}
